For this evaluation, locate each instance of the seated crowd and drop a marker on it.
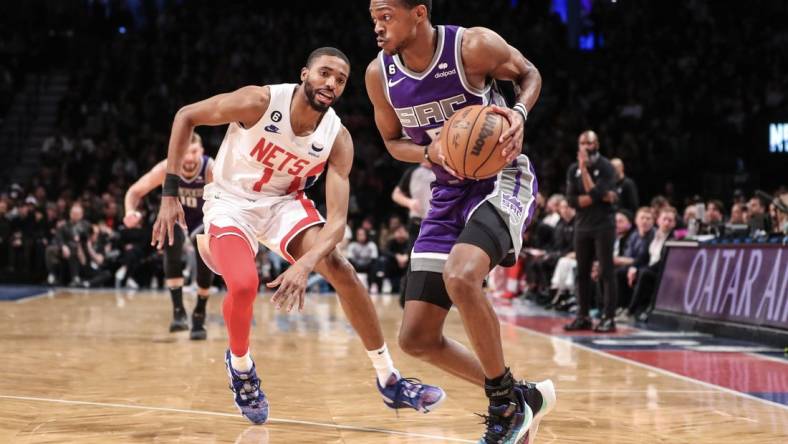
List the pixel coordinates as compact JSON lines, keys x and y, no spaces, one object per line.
{"x":546,"y":270}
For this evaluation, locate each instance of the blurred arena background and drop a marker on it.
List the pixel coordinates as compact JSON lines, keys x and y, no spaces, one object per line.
{"x":691,"y":96}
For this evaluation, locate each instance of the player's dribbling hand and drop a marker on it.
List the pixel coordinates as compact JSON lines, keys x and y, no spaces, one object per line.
{"x":435,"y":150}
{"x":512,"y":138}
{"x":292,"y":286}
{"x":170,"y":213}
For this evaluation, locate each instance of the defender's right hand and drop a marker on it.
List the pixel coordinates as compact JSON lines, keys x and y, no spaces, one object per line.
{"x":170,"y":213}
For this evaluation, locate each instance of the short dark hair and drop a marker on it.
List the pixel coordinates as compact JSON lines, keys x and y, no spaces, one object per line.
{"x":329,"y":51}
{"x":626,"y":213}
{"x":410,"y":4}
{"x":718,"y":204}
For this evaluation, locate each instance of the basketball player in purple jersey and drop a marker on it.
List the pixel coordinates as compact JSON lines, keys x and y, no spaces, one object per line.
{"x":196,"y":172}
{"x":422,"y":76}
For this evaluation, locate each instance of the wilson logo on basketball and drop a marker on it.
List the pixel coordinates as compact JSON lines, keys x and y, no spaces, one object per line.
{"x":487,"y":131}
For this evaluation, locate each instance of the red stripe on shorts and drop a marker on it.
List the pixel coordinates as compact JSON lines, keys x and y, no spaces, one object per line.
{"x":312,"y":216}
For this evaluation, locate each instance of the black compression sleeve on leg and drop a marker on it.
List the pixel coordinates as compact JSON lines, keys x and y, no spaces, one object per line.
{"x":173,"y":260}
{"x":204,"y":274}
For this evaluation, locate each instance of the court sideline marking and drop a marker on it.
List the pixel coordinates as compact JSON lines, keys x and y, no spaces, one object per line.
{"x":642,"y":365}
{"x":233,"y":415}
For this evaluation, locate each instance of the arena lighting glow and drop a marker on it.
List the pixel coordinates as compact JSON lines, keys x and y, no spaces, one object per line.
{"x":561,"y":7}
{"x":778,"y":137}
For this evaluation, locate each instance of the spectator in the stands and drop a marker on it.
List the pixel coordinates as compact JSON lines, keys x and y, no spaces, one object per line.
{"x":67,"y":247}
{"x":362,"y":254}
{"x":561,"y":258}
{"x":394,"y":259}
{"x":778,"y":219}
{"x":658,"y":202}
{"x":713,"y":218}
{"x":625,"y":187}
{"x":624,"y":229}
{"x":552,"y":215}
{"x":739,"y":214}
{"x":387,"y":231}
{"x":758,"y":219}
{"x":646,"y":275}
{"x":5,"y":234}
{"x":635,"y":254}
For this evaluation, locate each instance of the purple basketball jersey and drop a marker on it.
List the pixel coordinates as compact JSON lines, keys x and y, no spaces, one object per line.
{"x":424,"y":101}
{"x":190,"y":195}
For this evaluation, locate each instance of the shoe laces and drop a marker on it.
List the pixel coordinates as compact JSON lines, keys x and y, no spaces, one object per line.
{"x":244,"y":385}
{"x":409,"y":388}
{"x":497,"y":425}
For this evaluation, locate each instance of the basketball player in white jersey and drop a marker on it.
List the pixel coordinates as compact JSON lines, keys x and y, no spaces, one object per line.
{"x":279,"y":140}
{"x":195,"y":172}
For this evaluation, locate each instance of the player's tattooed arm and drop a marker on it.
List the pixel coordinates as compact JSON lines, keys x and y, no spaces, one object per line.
{"x":485,"y":54}
{"x":245,"y":106}
{"x":292,"y":283}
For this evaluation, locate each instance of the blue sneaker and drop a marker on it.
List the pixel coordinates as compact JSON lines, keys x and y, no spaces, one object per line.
{"x":411,"y":393}
{"x":249,"y":399}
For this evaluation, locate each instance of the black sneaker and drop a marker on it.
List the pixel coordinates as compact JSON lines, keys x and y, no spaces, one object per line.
{"x":566,"y":304}
{"x":180,"y":322}
{"x":198,"y":332}
{"x":580,"y":323}
{"x":606,"y":325}
{"x":508,"y":423}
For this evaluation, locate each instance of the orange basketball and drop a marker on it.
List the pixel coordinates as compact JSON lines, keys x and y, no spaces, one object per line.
{"x":470,"y":142}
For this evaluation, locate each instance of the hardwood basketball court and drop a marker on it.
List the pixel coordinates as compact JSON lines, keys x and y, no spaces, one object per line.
{"x":100,"y":366}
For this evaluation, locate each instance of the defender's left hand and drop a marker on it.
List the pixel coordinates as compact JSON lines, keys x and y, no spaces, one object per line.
{"x":513,"y":137}
{"x":292,"y":286}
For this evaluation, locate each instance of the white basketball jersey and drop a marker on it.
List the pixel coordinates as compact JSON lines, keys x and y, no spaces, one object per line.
{"x":268,"y":159}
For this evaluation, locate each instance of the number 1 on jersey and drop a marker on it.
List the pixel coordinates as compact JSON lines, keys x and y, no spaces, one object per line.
{"x":267,"y":174}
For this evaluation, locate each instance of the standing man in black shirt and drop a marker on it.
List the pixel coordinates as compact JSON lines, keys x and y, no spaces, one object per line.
{"x":590,"y":187}
{"x":625,"y":188}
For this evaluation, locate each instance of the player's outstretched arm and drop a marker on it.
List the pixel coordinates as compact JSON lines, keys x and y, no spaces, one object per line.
{"x":245,"y":106}
{"x":485,"y":54}
{"x":144,"y":185}
{"x":292,"y":283}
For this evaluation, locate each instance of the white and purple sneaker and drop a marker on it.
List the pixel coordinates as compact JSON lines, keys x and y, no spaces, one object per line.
{"x":249,"y":398}
{"x":411,"y":393}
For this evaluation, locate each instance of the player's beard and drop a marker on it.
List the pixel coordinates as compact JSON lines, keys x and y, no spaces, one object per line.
{"x":310,"y":97}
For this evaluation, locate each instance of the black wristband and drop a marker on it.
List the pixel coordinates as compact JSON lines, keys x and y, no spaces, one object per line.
{"x":427,"y":153}
{"x":170,"y":186}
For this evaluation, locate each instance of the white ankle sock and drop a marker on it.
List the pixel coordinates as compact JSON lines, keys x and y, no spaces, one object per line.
{"x":241,"y":363}
{"x":384,"y":366}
